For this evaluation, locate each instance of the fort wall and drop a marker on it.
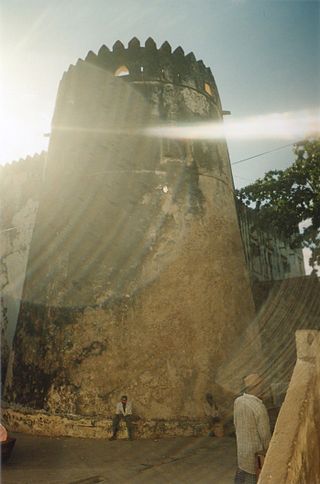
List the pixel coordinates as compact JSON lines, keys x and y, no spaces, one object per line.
{"x":20,"y":186}
{"x":130,"y":278}
{"x":293,"y":454}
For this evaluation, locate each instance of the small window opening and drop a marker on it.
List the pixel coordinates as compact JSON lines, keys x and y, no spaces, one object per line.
{"x":207,"y":88}
{"x":122,"y":71}
{"x":141,"y":69}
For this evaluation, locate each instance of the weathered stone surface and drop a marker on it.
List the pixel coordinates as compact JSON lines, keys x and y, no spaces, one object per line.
{"x":93,"y":427}
{"x":291,"y":305}
{"x":20,"y":187}
{"x":293,"y":455}
{"x":130,"y":284}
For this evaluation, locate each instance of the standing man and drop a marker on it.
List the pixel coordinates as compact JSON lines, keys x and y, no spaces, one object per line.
{"x":123,"y":411}
{"x":252,"y":425}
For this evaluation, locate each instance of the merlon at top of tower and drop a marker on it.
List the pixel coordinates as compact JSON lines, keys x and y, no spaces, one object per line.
{"x":149,"y":63}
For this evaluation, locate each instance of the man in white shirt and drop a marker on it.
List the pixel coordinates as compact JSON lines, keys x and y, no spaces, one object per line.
{"x":123,"y":411}
{"x":252,"y":425}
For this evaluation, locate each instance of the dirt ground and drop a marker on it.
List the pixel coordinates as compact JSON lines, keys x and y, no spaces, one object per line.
{"x":189,"y":460}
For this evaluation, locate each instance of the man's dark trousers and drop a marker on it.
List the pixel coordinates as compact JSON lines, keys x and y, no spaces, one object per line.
{"x":115,"y":424}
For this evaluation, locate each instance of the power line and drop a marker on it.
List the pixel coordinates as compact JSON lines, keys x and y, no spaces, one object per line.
{"x":264,"y":153}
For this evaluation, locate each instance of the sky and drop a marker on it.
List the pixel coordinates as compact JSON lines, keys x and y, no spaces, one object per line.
{"x":264,"y":55}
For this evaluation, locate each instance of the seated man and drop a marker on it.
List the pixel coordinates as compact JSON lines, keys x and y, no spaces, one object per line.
{"x":123,"y":411}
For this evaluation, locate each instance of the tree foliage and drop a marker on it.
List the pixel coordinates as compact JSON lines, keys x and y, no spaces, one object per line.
{"x":283,"y":199}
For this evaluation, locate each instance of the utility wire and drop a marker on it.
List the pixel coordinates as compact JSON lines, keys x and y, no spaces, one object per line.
{"x":264,"y":153}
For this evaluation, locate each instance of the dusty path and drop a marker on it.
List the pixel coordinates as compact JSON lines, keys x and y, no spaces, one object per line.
{"x":37,"y":460}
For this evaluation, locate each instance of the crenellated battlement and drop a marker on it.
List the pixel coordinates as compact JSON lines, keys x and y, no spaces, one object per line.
{"x":138,"y":63}
{"x":20,"y":182}
{"x":29,"y":164}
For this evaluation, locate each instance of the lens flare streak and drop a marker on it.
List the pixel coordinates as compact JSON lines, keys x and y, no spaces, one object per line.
{"x":286,"y":126}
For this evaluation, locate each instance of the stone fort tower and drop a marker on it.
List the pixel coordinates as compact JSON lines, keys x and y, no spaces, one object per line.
{"x":136,"y":280}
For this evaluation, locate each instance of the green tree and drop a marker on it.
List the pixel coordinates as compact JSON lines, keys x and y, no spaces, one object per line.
{"x":283,"y":199}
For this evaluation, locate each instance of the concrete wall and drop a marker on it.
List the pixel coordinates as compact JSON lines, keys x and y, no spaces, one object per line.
{"x":294,"y":453}
{"x":130,"y":278}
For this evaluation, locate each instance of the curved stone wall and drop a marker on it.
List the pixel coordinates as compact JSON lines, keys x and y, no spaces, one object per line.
{"x":136,"y":280}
